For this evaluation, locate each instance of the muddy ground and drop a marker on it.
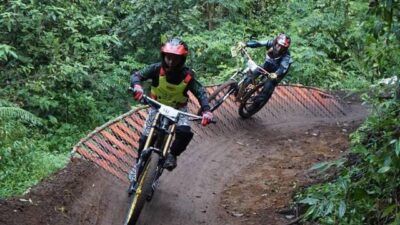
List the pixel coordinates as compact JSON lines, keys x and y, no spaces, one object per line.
{"x":241,"y":179}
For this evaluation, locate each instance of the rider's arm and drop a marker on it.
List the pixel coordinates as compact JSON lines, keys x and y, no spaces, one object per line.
{"x":284,"y":65}
{"x":200,"y":93}
{"x":256,"y":44}
{"x":149,"y":72}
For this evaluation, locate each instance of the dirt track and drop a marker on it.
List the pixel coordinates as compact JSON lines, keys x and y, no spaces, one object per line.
{"x":241,"y":179}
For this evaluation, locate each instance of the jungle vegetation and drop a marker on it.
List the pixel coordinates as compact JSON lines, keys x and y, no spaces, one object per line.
{"x":65,"y":67}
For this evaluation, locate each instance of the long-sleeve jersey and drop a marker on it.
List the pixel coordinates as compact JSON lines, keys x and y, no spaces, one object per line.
{"x":280,"y":64}
{"x":152,"y":72}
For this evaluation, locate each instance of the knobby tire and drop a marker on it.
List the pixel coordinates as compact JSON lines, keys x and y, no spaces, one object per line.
{"x":244,"y":111}
{"x":144,"y":189}
{"x":214,"y":100}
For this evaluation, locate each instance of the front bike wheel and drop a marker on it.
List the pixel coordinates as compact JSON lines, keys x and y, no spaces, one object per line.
{"x":216,"y":99}
{"x":144,"y":189}
{"x":247,"y":107}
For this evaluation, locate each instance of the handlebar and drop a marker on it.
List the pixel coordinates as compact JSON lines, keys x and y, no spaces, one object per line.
{"x":250,"y":61}
{"x":168,"y":110}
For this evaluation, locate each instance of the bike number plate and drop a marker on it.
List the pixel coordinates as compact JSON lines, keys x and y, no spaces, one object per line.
{"x":169,"y":111}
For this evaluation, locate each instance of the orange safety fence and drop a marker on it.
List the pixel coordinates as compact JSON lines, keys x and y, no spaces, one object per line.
{"x":113,"y":145}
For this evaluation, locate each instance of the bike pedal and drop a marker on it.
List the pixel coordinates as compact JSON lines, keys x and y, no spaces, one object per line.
{"x":170,"y":168}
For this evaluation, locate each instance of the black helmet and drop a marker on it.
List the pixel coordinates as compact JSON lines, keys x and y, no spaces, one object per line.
{"x":281,"y":44}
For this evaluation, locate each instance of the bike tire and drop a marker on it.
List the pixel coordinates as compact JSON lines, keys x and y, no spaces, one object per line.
{"x":246,"y":107}
{"x":215,"y":99}
{"x":138,"y":199}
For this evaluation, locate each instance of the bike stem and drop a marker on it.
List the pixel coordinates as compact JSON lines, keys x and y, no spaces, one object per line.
{"x":263,"y":71}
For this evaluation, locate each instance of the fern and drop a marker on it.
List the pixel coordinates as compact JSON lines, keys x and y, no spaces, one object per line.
{"x":19,"y":114}
{"x":4,"y":103}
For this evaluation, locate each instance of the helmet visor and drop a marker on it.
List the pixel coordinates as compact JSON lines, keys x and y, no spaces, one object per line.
{"x":174,"y":49}
{"x":173,"y":60}
{"x":279,"y":49}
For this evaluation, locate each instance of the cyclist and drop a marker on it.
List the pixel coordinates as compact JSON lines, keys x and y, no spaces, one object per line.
{"x":171,"y":81}
{"x":277,"y":62}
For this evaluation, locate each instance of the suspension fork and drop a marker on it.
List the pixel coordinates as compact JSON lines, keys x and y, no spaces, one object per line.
{"x":171,"y":133}
{"x":152,"y":130}
{"x":149,"y":141}
{"x":166,"y":144}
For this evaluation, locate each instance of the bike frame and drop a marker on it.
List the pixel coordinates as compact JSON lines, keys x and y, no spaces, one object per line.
{"x":251,"y":67}
{"x":236,"y":85}
{"x":163,"y":129}
{"x":159,"y":140}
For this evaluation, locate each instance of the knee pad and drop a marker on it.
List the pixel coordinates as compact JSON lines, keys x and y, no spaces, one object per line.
{"x":183,"y":136}
{"x":185,"y":130}
{"x":268,"y":88}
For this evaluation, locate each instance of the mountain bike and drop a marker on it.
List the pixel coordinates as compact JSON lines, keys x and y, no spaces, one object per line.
{"x":244,"y":86}
{"x":150,"y":165}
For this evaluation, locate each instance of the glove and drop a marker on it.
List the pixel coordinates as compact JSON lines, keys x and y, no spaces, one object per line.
{"x":207,"y":118}
{"x":273,"y":76}
{"x":241,"y":45}
{"x":137,"y":92}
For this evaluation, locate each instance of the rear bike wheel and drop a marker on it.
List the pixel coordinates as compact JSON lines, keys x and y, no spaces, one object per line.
{"x":216,"y":99}
{"x":144,"y":189}
{"x":247,"y":107}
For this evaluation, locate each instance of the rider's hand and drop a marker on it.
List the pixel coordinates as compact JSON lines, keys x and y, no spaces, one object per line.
{"x":273,"y":76}
{"x":241,"y":45}
{"x":207,"y":118}
{"x":137,"y":92}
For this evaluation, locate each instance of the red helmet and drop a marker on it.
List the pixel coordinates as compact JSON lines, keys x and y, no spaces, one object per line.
{"x":175,"y":46}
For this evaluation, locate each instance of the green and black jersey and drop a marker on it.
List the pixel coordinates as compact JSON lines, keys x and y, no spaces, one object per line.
{"x":152,"y":72}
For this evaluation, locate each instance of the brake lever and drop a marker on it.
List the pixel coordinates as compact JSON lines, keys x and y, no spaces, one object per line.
{"x":200,"y":119}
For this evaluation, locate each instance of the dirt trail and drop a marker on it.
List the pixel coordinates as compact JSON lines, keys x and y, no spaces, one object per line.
{"x":239,"y":179}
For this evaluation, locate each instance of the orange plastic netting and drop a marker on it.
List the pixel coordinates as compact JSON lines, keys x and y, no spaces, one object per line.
{"x":113,"y":145}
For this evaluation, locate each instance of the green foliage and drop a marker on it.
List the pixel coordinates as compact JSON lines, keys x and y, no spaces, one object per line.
{"x":145,"y":24}
{"x":343,"y":45}
{"x":57,"y":70}
{"x":23,"y":165}
{"x":12,"y":113}
{"x":7,"y":51}
{"x":23,"y":161}
{"x":365,"y":193}
{"x":210,"y":52}
{"x":65,"y":66}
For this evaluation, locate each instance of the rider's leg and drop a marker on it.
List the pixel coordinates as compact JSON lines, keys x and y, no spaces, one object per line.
{"x":266,"y":92}
{"x":183,"y":136}
{"x":251,"y":76}
{"x":146,"y":130}
{"x":142,"y":141}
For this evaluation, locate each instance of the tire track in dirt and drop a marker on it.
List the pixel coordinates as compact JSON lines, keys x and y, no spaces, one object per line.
{"x":197,"y":191}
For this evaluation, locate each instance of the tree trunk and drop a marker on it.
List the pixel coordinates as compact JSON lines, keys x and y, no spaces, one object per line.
{"x":210,"y":12}
{"x":373,"y":3}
